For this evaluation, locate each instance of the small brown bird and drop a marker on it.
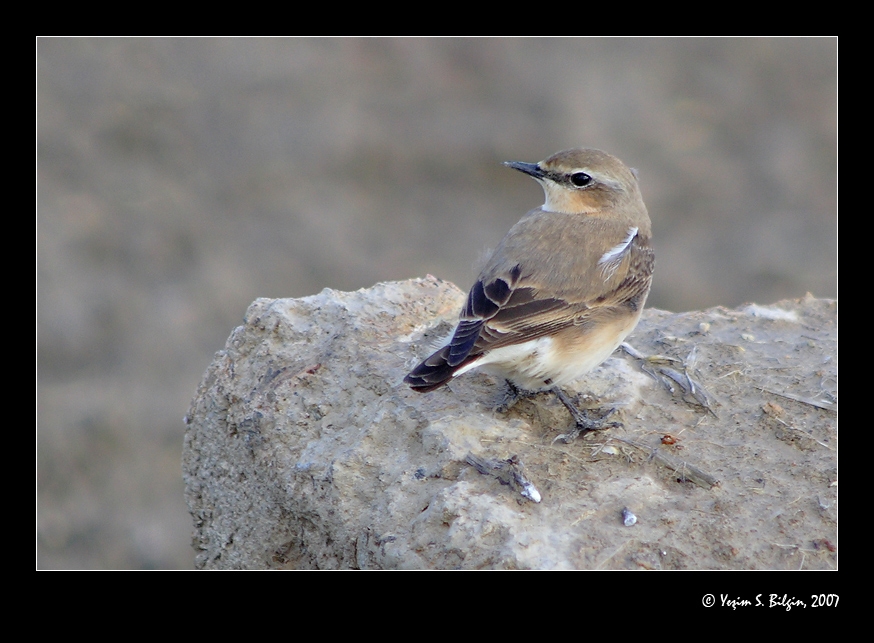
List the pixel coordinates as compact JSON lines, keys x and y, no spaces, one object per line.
{"x":563,"y":288}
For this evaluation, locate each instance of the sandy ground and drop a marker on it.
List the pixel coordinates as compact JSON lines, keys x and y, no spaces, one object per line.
{"x":305,"y":449}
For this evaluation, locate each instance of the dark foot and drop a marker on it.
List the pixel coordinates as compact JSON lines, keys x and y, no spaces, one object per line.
{"x":583,"y":423}
{"x":513,"y":395}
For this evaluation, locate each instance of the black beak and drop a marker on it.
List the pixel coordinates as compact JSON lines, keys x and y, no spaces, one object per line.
{"x":532,"y":169}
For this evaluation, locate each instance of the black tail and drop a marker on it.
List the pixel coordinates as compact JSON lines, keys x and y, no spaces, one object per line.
{"x":432,"y":373}
{"x":435,"y":371}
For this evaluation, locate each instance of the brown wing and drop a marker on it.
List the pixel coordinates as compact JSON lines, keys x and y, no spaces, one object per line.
{"x":512,"y":307}
{"x":617,"y":288}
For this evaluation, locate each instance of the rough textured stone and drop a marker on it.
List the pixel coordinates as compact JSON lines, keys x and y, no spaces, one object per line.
{"x":304,"y":448}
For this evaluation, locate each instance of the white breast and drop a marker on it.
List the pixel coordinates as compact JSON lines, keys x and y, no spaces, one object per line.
{"x":557,"y":360}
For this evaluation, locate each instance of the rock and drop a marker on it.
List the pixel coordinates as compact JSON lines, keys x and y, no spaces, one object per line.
{"x":304,"y":449}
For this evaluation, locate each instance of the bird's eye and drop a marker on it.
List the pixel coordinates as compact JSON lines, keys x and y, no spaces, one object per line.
{"x":580,"y":179}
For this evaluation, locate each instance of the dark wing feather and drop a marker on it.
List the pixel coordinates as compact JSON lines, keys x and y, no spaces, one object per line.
{"x":510,"y":309}
{"x":483,"y":302}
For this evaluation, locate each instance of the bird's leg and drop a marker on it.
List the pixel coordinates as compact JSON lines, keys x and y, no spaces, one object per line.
{"x":513,"y":395}
{"x":581,"y":419}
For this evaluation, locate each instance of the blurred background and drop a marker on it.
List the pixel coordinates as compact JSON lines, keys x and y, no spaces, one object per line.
{"x":179,"y":179}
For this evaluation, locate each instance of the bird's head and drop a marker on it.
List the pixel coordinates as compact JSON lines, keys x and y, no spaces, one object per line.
{"x":582,"y":181}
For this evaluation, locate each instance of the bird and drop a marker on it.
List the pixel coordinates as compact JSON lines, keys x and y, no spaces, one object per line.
{"x":563,"y":288}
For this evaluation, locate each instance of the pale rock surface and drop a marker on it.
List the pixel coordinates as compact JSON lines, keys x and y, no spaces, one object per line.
{"x":304,"y":448}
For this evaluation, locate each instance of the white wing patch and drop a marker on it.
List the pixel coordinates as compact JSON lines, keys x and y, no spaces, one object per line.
{"x":611,"y":259}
